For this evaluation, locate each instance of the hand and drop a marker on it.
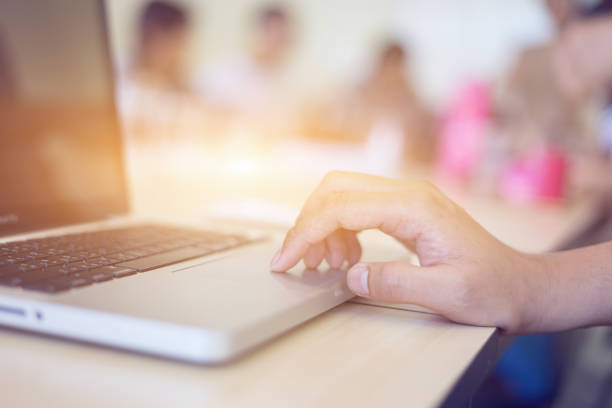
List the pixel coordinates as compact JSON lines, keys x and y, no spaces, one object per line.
{"x":466,"y":274}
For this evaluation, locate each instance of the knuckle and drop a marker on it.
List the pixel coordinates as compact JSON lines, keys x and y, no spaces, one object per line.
{"x":420,"y":185}
{"x":427,"y":198}
{"x":427,"y":185}
{"x":332,"y":177}
{"x":316,"y":228}
{"x":433,"y":193}
{"x":318,"y":223}
{"x":332,"y":201}
{"x":309,"y":234}
{"x":419,"y":201}
{"x":431,"y":199}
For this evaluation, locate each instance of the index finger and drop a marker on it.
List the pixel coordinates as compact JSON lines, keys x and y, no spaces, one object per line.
{"x":338,"y":181}
{"x":402,"y":215}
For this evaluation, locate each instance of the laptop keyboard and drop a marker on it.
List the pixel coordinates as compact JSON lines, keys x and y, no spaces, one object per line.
{"x":61,"y":263}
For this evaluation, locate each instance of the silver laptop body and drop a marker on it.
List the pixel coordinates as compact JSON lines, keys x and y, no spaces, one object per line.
{"x":61,"y":173}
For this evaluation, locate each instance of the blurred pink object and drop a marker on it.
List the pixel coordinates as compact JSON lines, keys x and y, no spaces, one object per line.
{"x":539,"y":177}
{"x":464,"y":130}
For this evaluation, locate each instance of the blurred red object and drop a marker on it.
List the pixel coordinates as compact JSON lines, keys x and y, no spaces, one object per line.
{"x":464,"y":130}
{"x":541,"y":176}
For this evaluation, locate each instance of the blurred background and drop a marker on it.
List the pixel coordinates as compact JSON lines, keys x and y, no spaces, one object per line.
{"x":262,"y":90}
{"x":227,"y":105}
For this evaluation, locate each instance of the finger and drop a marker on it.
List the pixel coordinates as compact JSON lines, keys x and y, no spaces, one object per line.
{"x":399,"y":282}
{"x":315,"y":255}
{"x":337,"y":251}
{"x":403,"y":216}
{"x":353,"y":246}
{"x":336,"y":181}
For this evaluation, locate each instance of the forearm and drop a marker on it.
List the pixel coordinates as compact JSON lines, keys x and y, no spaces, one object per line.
{"x":571,"y":289}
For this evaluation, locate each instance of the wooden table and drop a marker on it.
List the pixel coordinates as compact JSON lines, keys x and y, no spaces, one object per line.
{"x":353,"y":355}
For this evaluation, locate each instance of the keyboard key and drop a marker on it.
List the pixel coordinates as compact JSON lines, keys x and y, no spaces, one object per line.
{"x":60,"y":270}
{"x":95,"y":275}
{"x":16,"y":259}
{"x":116,"y":271}
{"x":97,"y":262}
{"x":30,"y":266}
{"x":48,"y":286}
{"x":80,"y":266}
{"x":124,"y":257}
{"x":76,"y":267}
{"x":33,"y":276}
{"x":72,"y":281}
{"x":9,"y":270}
{"x":140,"y":252}
{"x":35,"y":254}
{"x":69,"y":258}
{"x":56,"y":251}
{"x":51,"y":261}
{"x":10,"y":280}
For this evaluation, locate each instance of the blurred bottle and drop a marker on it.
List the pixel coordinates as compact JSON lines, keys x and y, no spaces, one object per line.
{"x":463,"y":134}
{"x":539,"y":176}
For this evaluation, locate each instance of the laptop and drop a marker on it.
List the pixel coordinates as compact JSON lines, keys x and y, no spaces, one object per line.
{"x":73,"y":262}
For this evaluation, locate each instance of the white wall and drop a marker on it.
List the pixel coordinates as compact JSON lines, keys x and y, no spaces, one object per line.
{"x":451,"y":40}
{"x":455,"y":40}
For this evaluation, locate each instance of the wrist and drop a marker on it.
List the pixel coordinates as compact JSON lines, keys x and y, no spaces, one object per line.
{"x":534,"y":294}
{"x":559,"y":291}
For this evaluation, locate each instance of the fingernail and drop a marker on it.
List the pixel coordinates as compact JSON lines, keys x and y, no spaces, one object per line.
{"x":358,"y":279}
{"x":275,"y":259}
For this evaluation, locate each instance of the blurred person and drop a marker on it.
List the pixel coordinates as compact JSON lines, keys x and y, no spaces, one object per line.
{"x":546,"y":121}
{"x":583,"y":58}
{"x":583,"y":68}
{"x":533,"y":105}
{"x":156,"y":98}
{"x":388,"y":96}
{"x":255,"y":87}
{"x":160,"y":59}
{"x":541,"y":124}
{"x":383,"y":112}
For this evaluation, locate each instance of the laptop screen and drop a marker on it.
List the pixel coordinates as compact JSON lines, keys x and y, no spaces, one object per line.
{"x":60,"y":145}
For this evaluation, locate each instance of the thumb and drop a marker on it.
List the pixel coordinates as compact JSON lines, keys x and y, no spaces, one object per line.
{"x":402,"y":282}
